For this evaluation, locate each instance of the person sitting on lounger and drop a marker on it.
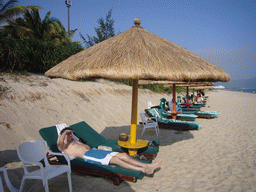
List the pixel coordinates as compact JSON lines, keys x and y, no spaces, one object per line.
{"x":199,"y":98}
{"x":77,"y":149}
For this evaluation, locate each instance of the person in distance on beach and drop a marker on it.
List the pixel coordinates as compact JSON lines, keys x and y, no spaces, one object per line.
{"x":78,"y":149}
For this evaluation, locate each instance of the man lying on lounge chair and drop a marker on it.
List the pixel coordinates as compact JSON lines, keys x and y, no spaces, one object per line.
{"x":78,"y":149}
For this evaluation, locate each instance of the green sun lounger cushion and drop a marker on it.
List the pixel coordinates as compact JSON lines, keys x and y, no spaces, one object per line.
{"x":199,"y":113}
{"x":199,"y":103}
{"x":88,"y":134}
{"x":93,"y":139}
{"x":171,"y":122}
{"x":187,"y":116}
{"x":165,"y":114}
{"x":50,"y":135}
{"x":195,"y":105}
{"x":211,"y":113}
{"x":190,"y":110}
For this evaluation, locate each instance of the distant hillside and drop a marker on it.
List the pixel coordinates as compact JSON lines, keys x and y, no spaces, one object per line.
{"x":238,"y":84}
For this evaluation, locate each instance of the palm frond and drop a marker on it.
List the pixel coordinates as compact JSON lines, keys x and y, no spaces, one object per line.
{"x":8,"y":5}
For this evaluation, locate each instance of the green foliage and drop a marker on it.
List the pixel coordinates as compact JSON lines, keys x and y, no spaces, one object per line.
{"x":126,"y":82}
{"x":31,"y":44}
{"x":3,"y":89}
{"x":9,"y":10}
{"x":34,"y":55}
{"x":161,"y":88}
{"x":2,"y":79}
{"x":157,"y":88}
{"x":31,"y":25}
{"x":181,"y":90}
{"x":104,"y":31}
{"x":10,"y":54}
{"x":5,"y":6}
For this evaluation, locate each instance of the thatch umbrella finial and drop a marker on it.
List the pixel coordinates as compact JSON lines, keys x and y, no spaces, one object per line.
{"x":137,"y":21}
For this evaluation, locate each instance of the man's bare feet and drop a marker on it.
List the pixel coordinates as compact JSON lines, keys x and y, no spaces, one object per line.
{"x":152,"y":167}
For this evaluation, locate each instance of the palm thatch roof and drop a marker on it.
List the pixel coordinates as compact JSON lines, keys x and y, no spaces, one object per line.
{"x":138,"y":54}
{"x":193,"y":84}
{"x":202,"y":87}
{"x":151,"y":82}
{"x":177,"y":83}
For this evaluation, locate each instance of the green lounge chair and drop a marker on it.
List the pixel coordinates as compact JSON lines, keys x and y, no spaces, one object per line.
{"x":162,"y":103}
{"x":198,"y":104}
{"x":163,"y":122}
{"x":94,"y":139}
{"x":186,"y":117}
{"x":179,"y":99}
{"x":201,"y":114}
{"x":194,"y":105}
{"x":182,"y":117}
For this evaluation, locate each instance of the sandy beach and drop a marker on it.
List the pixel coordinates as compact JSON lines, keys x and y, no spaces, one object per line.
{"x":219,"y":157}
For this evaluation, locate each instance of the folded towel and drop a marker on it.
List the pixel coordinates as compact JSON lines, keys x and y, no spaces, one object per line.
{"x":61,"y":126}
{"x":105,"y":148}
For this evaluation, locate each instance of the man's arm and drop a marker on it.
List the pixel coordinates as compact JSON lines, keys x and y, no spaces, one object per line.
{"x":60,"y":142}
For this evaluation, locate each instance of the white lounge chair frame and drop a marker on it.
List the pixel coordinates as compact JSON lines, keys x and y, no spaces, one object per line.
{"x":33,"y":152}
{"x":7,"y":181}
{"x":149,"y":122}
{"x":149,"y":104}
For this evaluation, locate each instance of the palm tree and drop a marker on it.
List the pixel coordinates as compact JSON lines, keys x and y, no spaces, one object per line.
{"x":59,"y":32}
{"x":9,"y":10}
{"x":33,"y":27}
{"x":6,"y":6}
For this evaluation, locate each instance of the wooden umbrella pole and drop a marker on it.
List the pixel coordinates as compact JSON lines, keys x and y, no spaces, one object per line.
{"x":134,"y":111}
{"x":193,"y":95}
{"x":187,"y":98}
{"x":174,"y":97}
{"x":133,"y":144}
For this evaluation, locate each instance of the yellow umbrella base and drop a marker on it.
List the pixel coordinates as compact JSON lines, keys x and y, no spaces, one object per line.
{"x":133,"y":147}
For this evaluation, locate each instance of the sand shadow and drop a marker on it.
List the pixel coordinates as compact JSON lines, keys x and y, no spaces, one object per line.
{"x":80,"y":182}
{"x":8,"y":156}
{"x":166,"y":136}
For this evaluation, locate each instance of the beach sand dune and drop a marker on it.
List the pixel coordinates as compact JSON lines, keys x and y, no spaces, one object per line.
{"x":218,"y":157}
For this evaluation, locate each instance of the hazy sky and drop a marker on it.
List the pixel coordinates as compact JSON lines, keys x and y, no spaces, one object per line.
{"x":221,"y":31}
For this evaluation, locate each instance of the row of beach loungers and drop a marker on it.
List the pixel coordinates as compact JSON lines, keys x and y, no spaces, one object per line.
{"x":185,"y":121}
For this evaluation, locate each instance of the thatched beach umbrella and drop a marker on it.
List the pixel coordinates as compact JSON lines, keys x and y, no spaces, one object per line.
{"x":137,"y":54}
{"x":175,"y":84}
{"x":191,"y":85}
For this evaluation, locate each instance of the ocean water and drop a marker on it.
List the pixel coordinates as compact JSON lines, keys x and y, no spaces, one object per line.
{"x":245,"y":90}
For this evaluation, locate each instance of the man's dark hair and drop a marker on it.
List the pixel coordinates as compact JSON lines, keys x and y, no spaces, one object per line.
{"x":63,"y":130}
{"x":68,"y":128}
